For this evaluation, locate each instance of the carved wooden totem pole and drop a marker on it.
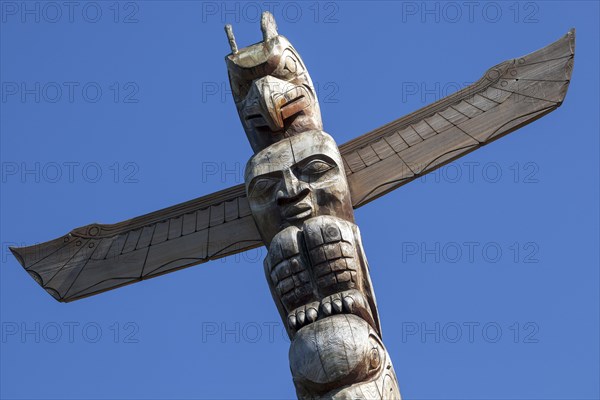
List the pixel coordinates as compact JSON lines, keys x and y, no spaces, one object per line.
{"x":299,"y":196}
{"x":298,"y":200}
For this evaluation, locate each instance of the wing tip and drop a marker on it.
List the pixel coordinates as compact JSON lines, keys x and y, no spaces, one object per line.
{"x":571,"y":38}
{"x":54,"y":294}
{"x":17,"y":253}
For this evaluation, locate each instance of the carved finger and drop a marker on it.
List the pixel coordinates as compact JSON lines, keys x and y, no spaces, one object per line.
{"x":336,"y":302}
{"x":292,"y":323}
{"x":348,"y":303}
{"x":311,"y":313}
{"x":326,"y":307}
{"x":300,"y":317}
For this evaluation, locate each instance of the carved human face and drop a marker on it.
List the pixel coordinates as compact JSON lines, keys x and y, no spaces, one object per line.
{"x":295,"y":179}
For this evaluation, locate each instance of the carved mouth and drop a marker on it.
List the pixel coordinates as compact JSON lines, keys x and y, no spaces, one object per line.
{"x":297,"y":212}
{"x":256,"y":120}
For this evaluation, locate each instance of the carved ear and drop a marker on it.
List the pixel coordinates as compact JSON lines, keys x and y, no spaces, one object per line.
{"x":268,"y":26}
{"x":231,"y":38}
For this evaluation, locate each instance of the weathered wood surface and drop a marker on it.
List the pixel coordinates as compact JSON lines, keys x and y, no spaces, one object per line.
{"x":342,"y":357}
{"x":298,"y":194}
{"x":508,"y":96}
{"x":96,"y":258}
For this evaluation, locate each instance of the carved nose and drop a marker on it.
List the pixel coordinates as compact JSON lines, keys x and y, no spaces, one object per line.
{"x":292,"y":189}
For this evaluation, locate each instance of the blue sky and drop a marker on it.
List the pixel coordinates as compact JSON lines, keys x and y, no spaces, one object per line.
{"x":486,"y":272}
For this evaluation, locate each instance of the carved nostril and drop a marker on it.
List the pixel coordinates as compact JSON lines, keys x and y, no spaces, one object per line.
{"x":287,"y":198}
{"x":280,"y":195}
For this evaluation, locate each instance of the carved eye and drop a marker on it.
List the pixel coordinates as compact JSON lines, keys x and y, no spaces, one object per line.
{"x":316,"y":167}
{"x":375,"y":358}
{"x":290,"y":64}
{"x":262,"y":187}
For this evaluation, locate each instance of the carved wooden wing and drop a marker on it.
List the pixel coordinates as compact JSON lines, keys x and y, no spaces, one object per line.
{"x":509,"y":95}
{"x":96,"y":258}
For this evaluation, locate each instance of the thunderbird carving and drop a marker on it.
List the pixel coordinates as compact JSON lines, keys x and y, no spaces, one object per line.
{"x":298,"y":200}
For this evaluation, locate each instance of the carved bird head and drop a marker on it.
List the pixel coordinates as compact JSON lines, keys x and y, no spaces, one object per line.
{"x":272,"y":89}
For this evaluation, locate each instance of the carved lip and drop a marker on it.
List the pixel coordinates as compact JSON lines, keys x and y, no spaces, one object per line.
{"x":297,"y":212}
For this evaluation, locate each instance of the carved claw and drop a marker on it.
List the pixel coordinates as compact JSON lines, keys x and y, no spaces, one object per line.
{"x":311,"y":314}
{"x":337,"y":305}
{"x":326,"y":307}
{"x":292,"y":321}
{"x":302,"y":316}
{"x":331,"y":304}
{"x":348,"y":304}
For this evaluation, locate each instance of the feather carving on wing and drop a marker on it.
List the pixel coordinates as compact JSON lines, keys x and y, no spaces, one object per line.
{"x":96,"y":258}
{"x":508,"y":96}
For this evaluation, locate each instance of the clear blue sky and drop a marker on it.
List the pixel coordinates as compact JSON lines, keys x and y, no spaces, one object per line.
{"x":486,"y":273}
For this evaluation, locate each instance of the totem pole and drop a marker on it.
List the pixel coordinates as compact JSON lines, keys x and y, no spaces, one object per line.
{"x":299,"y":197}
{"x":298,"y":200}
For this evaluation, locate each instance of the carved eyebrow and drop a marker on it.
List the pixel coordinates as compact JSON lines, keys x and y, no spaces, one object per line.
{"x":274,"y":175}
{"x":256,"y":165}
{"x":313,"y":157}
